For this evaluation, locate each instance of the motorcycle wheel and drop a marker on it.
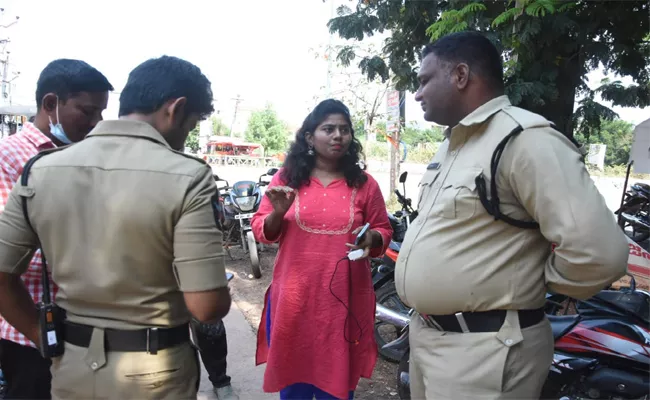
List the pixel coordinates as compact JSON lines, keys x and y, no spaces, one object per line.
{"x":255,"y":259}
{"x":384,"y":294}
{"x":403,"y":381}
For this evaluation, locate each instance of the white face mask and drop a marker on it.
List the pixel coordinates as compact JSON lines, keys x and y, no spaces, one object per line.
{"x":57,"y":130}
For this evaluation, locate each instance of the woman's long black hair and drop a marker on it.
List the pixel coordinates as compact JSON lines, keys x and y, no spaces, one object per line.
{"x":298,"y":165}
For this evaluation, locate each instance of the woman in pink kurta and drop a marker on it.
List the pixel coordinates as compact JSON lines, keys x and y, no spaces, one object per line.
{"x":316,"y":333}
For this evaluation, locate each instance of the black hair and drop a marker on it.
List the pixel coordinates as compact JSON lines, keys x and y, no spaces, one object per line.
{"x":159,"y":80}
{"x":298,"y":164}
{"x":65,"y":78}
{"x":473,"y":49}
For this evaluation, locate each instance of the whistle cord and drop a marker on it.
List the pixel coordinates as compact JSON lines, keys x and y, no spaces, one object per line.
{"x":349,"y":311}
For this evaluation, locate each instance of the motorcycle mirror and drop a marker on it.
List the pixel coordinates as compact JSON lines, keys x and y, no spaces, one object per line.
{"x":402,"y":179}
{"x":272,"y":171}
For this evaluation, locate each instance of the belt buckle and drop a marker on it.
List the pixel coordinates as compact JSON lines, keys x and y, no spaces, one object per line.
{"x":461,"y":321}
{"x":152,"y":341}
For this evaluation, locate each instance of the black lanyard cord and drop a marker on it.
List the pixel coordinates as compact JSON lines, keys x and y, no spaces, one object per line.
{"x":349,"y":311}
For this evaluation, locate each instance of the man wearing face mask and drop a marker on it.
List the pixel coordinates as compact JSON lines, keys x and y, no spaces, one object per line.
{"x":70,"y":96}
{"x":125,"y":220}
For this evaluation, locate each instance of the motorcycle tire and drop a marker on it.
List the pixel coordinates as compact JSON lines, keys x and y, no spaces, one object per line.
{"x":403,"y":381}
{"x":255,"y":258}
{"x":382,"y":294}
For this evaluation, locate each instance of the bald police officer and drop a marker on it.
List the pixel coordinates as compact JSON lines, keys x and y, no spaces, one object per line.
{"x":477,"y":276}
{"x":125,"y":221}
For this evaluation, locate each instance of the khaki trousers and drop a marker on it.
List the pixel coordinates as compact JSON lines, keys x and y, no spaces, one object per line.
{"x":93,"y":373}
{"x":510,"y":364}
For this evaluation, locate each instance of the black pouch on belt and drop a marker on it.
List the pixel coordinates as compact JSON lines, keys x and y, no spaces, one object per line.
{"x":50,"y":316}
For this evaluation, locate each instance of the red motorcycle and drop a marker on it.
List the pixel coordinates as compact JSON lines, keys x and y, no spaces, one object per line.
{"x":601,"y":352}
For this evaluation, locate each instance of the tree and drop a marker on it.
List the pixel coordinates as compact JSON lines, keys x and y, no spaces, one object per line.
{"x":618,"y":136}
{"x":219,"y":128}
{"x":412,"y":135}
{"x":548,"y":45}
{"x":192,"y":140}
{"x":364,"y":95}
{"x":265,"y":128}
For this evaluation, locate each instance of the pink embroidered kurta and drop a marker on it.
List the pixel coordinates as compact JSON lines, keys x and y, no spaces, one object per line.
{"x":313,"y":338}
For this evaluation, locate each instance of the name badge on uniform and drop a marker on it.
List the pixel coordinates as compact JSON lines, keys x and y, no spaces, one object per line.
{"x":433,"y":165}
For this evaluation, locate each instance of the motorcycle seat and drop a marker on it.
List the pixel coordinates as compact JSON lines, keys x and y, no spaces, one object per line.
{"x":561,"y":324}
{"x":642,"y":186}
{"x":395,"y":246}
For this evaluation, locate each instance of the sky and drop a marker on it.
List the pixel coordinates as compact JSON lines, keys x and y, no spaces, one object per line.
{"x":260,"y":50}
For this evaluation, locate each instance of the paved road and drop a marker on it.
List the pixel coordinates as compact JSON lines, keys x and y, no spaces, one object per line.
{"x":246,"y":377}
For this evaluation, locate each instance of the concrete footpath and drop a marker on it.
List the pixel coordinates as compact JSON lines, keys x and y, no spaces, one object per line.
{"x":246,"y":377}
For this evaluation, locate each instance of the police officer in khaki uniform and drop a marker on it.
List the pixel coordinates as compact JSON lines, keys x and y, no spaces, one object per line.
{"x":126,"y":223}
{"x":478,"y":281}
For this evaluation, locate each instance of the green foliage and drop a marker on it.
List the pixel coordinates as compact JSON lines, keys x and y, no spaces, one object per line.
{"x":421,"y":144}
{"x":414,"y":136}
{"x":219,"y":128}
{"x":380,"y":128}
{"x":192,"y":141}
{"x":377,"y":151}
{"x":548,"y":47}
{"x":265,"y":128}
{"x":617,"y":135}
{"x":421,"y":154}
{"x":454,"y":20}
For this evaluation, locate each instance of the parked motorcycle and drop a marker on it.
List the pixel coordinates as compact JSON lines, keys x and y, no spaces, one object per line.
{"x":236,"y":205}
{"x":384,"y":278}
{"x":602,"y":352}
{"x":634,"y":214}
{"x":383,"y":267}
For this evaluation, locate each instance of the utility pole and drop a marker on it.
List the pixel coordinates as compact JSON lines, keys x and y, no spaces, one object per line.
{"x":5,"y":91}
{"x":329,"y":55}
{"x":238,"y":100}
{"x":5,"y":67}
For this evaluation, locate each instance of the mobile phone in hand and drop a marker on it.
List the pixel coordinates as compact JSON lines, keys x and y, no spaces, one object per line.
{"x":361,"y":234}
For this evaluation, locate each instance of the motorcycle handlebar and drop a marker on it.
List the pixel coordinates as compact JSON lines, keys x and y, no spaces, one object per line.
{"x":406,"y":203}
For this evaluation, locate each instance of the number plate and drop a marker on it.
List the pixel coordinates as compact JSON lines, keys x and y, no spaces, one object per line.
{"x":244,"y":216}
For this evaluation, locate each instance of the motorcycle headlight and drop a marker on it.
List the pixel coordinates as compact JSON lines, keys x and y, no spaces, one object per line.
{"x":246,"y":203}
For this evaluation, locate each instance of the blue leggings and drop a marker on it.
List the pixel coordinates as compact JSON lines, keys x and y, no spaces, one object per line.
{"x":297,"y":391}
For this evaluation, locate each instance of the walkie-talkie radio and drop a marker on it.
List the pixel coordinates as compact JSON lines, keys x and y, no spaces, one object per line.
{"x":50,"y":316}
{"x":50,"y":319}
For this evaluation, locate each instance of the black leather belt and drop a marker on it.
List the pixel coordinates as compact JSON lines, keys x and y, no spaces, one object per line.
{"x":485,"y":321}
{"x":142,"y":340}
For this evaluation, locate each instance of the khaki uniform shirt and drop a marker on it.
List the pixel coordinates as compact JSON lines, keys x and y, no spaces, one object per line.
{"x":456,"y":257}
{"x":126,"y":225}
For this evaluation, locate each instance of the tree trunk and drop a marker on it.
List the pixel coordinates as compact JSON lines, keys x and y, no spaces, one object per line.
{"x":394,"y":150}
{"x":371,"y":135}
{"x":560,"y":110}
